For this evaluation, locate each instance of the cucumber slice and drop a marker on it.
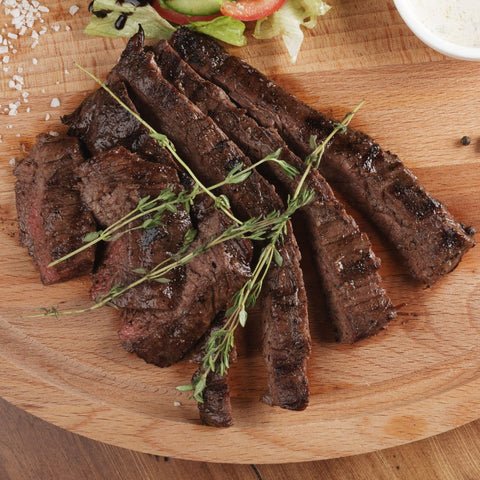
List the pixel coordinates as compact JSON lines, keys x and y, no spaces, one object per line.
{"x":195,"y":7}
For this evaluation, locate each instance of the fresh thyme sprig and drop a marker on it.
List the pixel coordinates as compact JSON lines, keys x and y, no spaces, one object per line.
{"x":255,"y":228}
{"x":273,"y":228}
{"x":167,"y":201}
{"x":220,"y":344}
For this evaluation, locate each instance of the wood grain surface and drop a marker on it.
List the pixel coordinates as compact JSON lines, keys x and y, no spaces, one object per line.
{"x":454,"y":455}
{"x":419,"y":378}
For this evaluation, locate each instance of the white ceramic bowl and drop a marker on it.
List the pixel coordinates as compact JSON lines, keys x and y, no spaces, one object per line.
{"x":425,"y":35}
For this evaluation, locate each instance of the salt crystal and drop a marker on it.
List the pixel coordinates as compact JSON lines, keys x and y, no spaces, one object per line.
{"x":55,"y":102}
{"x":54,"y":134}
{"x":6,"y":59}
{"x":74,"y":9}
{"x":177,"y":404}
{"x":47,"y":117}
{"x":12,"y":162}
{"x":34,"y":61}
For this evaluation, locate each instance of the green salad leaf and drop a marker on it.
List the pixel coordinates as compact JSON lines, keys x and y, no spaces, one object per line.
{"x":226,"y":29}
{"x":152,"y":23}
{"x":288,"y":20}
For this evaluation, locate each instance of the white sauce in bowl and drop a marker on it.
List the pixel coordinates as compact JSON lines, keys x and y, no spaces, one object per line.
{"x":457,"y":21}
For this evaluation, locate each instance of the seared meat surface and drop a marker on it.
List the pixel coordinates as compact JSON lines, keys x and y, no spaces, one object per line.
{"x":211,"y":154}
{"x":52,"y":218}
{"x":358,"y":304}
{"x":428,"y":238}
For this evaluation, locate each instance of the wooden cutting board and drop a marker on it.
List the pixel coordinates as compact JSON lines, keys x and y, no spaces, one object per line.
{"x":419,"y":378}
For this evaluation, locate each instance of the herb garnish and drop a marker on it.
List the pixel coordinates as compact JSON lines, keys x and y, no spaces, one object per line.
{"x":220,"y":343}
{"x":272,"y":228}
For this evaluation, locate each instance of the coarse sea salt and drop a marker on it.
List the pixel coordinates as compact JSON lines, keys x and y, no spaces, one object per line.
{"x":24,"y":19}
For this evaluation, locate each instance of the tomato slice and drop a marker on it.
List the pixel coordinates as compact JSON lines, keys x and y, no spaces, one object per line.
{"x":180,"y":18}
{"x":248,"y":10}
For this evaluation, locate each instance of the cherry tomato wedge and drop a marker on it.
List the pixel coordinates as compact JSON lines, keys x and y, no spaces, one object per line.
{"x":180,"y":18}
{"x":248,"y":10}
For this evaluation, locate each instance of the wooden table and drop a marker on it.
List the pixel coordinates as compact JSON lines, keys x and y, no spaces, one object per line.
{"x":369,"y":41}
{"x":33,"y":449}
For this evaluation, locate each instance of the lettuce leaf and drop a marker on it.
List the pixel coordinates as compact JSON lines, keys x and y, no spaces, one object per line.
{"x":152,"y":23}
{"x":288,"y":20}
{"x":226,"y":29}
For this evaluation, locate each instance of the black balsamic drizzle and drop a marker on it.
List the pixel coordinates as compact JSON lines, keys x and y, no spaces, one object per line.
{"x":122,"y":19}
{"x":135,"y":3}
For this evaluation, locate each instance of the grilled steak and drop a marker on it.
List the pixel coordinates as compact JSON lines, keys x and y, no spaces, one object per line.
{"x":212,"y":155}
{"x":101,"y":123}
{"x":112,"y":184}
{"x":52,"y":218}
{"x":215,"y":410}
{"x":161,"y":322}
{"x":163,"y":336}
{"x":345,"y":260}
{"x":428,"y":238}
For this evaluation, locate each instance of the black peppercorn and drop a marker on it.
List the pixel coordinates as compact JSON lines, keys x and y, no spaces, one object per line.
{"x":466,"y":140}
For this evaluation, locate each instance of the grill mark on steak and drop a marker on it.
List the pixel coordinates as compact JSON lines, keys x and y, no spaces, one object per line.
{"x":375,"y":180}
{"x":161,"y":322}
{"x":51,"y":216}
{"x":343,"y":254}
{"x":216,"y":409}
{"x":146,"y":330}
{"x":101,"y":123}
{"x":164,"y":336}
{"x":211,"y":153}
{"x":112,"y":183}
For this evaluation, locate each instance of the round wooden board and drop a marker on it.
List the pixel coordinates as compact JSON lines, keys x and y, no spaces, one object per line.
{"x":419,"y":378}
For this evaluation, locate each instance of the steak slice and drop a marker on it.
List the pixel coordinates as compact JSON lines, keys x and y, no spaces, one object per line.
{"x":344,"y":256}
{"x":212,"y":155}
{"x":428,"y":238}
{"x":216,"y":409}
{"x":164,"y":336}
{"x":101,"y":123}
{"x":52,"y":218}
{"x":112,"y":183}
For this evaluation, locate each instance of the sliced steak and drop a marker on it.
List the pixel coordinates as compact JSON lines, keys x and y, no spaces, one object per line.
{"x":344,"y":257}
{"x":101,"y":123}
{"x":164,"y":336}
{"x":52,"y":218}
{"x":215,"y":410}
{"x":212,"y":155}
{"x":428,"y":238}
{"x":112,"y":183}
